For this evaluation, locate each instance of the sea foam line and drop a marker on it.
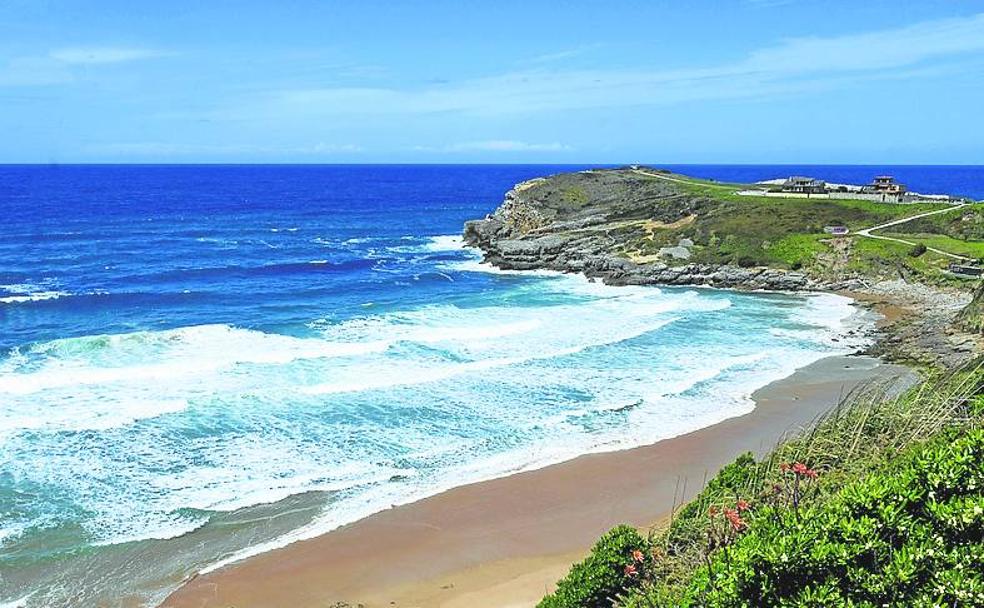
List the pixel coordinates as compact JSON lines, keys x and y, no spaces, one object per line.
{"x":391,"y":497}
{"x":436,"y":375}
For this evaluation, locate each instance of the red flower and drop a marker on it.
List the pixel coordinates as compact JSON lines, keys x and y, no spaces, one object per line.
{"x":742,"y":505}
{"x":734,"y":519}
{"x":630,"y":570}
{"x":637,"y":555}
{"x":784,"y":467}
{"x":802,"y":470}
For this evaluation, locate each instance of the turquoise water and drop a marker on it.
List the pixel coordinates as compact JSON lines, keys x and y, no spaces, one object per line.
{"x":204,"y":363}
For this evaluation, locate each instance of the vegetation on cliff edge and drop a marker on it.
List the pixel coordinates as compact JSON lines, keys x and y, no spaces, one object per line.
{"x":880,"y":504}
{"x":643,"y":211}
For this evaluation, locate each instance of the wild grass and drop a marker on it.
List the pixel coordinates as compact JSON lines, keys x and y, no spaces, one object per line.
{"x":876,"y":257}
{"x":969,"y":248}
{"x":966,"y":223}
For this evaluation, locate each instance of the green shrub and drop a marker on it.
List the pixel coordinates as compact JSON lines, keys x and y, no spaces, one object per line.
{"x":733,"y":480}
{"x":917,"y":250}
{"x":602,"y":576}
{"x":841,"y":527}
{"x":911,"y":534}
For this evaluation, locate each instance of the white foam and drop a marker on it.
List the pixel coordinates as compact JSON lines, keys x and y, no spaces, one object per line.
{"x":446,"y":242}
{"x":223,"y":418}
{"x":529,"y":457}
{"x":184,"y":353}
{"x":11,"y":531}
{"x":832,"y":320}
{"x":477,"y":265}
{"x":39,"y":296}
{"x":20,"y":293}
{"x":109,"y":411}
{"x":20,"y":602}
{"x":738,"y":398}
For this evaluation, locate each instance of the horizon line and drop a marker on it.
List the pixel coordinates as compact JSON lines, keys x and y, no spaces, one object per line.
{"x":479,"y":164}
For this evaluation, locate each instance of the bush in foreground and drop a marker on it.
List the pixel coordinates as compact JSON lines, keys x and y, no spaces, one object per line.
{"x":832,"y":517}
{"x":909,"y":535}
{"x":614,"y":564}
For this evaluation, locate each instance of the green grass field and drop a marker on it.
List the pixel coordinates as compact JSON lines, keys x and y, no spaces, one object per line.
{"x":789,"y":232}
{"x":969,"y":248}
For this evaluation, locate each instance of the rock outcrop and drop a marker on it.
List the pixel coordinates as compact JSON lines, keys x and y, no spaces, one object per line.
{"x":971,"y":318}
{"x":586,"y":222}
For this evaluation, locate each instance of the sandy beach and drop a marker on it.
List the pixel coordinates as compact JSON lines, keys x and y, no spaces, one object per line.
{"x":504,"y":542}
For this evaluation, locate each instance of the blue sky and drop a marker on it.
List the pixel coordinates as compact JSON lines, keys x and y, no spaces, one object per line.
{"x":739,"y":81}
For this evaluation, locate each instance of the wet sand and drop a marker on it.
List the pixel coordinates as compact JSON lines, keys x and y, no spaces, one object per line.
{"x":503,"y":543}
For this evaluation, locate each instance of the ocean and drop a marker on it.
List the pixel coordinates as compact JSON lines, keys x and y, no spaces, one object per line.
{"x":198,"y":363}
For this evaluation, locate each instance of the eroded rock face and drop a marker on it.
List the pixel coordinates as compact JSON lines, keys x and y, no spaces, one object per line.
{"x":579,"y":223}
{"x":971,"y":318}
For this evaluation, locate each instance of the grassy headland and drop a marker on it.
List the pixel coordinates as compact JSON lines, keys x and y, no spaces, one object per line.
{"x":637,"y":214}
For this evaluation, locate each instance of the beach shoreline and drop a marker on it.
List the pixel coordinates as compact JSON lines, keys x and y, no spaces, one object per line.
{"x":505,"y":541}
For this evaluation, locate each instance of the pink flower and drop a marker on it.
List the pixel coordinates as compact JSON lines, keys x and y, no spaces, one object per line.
{"x":799,"y":469}
{"x":742,"y":505}
{"x":630,"y":570}
{"x":734,"y":519}
{"x":802,"y":470}
{"x":637,"y":555}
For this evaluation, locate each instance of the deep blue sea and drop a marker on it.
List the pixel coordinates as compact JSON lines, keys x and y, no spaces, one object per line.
{"x":202,"y":362}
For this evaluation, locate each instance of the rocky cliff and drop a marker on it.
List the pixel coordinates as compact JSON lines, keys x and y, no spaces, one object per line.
{"x":599,"y":222}
{"x":971,"y":318}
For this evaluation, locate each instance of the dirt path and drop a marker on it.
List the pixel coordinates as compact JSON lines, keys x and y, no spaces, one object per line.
{"x":867,"y":232}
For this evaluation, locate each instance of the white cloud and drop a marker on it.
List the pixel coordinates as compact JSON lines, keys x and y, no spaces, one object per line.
{"x":61,"y":66}
{"x":564,"y":54}
{"x":496,"y":145}
{"x":792,"y":66}
{"x":171,"y":149}
{"x":85,"y":55}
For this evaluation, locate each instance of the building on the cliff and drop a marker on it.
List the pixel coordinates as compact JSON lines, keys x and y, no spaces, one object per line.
{"x":804,"y":185}
{"x":884,"y":184}
{"x":836,"y":230}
